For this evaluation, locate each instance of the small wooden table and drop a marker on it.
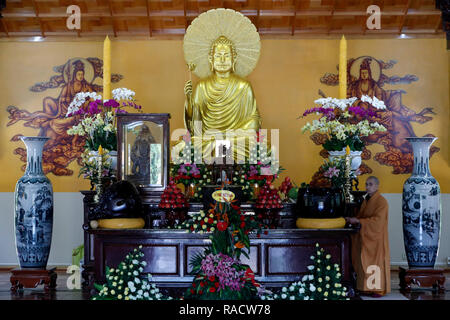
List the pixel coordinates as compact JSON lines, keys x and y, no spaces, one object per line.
{"x":31,"y":278}
{"x":424,"y":278}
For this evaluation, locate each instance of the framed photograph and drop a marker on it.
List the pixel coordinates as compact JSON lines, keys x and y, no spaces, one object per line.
{"x":143,"y":150}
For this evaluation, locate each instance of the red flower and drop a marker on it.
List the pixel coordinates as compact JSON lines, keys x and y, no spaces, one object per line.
{"x":200,"y":292}
{"x":192,"y":291}
{"x":210,"y":221}
{"x":242,"y":217}
{"x":202,"y":284}
{"x":212,"y":289}
{"x":193,"y":284}
{"x":216,"y":284}
{"x":265,"y":232}
{"x":202,"y":222}
{"x":212,"y":278}
{"x":242,"y":225}
{"x":222,"y":226}
{"x":258,"y":235}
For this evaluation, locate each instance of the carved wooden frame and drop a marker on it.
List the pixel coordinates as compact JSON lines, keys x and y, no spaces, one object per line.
{"x":148,"y":192}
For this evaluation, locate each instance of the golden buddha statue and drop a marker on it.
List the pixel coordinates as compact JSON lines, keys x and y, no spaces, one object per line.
{"x":222,"y":105}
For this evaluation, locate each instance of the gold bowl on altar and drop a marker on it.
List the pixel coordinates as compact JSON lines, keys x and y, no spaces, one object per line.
{"x":311,"y":223}
{"x":121,"y":223}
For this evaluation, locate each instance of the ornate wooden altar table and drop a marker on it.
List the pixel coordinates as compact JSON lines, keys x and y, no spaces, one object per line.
{"x":278,"y":258}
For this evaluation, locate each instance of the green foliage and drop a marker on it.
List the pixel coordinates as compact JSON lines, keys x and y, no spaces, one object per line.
{"x":353,"y":141}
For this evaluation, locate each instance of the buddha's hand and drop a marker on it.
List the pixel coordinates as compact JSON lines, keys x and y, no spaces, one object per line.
{"x":188,"y":89}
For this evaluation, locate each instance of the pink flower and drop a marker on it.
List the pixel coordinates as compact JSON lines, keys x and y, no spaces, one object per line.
{"x":331,"y":172}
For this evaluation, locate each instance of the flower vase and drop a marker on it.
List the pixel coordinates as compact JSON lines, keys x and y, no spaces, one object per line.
{"x":33,"y":209}
{"x":355,"y":157}
{"x":421,"y":204}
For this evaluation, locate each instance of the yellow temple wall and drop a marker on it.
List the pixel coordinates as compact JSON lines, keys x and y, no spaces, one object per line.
{"x":286,"y":82}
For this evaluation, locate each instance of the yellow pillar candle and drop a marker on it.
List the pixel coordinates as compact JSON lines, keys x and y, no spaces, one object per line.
{"x":347,"y":150}
{"x":106,"y":69}
{"x":100,"y":151}
{"x":343,"y":69}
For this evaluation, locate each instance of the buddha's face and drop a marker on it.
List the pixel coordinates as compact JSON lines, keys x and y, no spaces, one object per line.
{"x":79,"y":75}
{"x":222,"y":59}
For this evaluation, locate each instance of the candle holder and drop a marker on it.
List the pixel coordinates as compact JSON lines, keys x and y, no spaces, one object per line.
{"x":348,"y":180}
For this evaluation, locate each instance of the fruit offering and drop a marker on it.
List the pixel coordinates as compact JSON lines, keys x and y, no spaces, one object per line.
{"x":268,"y":198}
{"x":286,"y":186}
{"x":173,"y":197}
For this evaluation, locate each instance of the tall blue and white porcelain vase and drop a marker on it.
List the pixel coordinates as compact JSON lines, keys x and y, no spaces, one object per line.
{"x":33,"y":209}
{"x":421,"y":204}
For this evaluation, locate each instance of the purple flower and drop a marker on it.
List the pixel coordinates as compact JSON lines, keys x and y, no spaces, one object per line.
{"x":362,"y":112}
{"x":93,"y":108}
{"x":182,"y":169}
{"x":253,"y":171}
{"x":111,"y":103}
{"x":331,"y":172}
{"x":120,"y":111}
{"x":327,"y":112}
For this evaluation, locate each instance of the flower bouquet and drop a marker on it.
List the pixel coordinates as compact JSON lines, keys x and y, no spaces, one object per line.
{"x":334,"y":172}
{"x":344,"y":123}
{"x":221,"y":277}
{"x":96,"y":124}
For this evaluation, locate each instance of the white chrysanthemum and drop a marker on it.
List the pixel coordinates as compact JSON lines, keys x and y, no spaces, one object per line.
{"x":283,"y":296}
{"x":312,"y":288}
{"x":310,"y":268}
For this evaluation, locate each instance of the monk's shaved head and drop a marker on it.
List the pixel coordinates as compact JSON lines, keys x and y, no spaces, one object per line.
{"x":374,"y":179}
{"x":372,"y":185}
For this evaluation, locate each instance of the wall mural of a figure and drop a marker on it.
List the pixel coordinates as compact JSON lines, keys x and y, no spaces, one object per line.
{"x":76,"y":75}
{"x":365,"y":77}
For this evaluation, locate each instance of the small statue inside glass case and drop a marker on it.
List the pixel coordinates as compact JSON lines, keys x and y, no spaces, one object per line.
{"x":143,"y":148}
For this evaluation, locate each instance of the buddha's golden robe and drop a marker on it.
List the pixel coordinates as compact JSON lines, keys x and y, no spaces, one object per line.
{"x":222,"y":104}
{"x":371,"y":245}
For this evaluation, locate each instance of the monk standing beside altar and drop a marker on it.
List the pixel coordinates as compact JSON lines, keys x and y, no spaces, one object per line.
{"x":370,"y":247}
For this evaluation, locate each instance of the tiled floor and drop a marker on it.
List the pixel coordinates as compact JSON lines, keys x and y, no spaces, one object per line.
{"x":63,"y":293}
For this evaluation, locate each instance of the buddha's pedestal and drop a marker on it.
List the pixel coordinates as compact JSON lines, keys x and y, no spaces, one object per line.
{"x":424,"y":278}
{"x":31,"y":278}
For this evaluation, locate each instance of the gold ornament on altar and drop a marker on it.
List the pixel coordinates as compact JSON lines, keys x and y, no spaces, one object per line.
{"x":221,"y":46}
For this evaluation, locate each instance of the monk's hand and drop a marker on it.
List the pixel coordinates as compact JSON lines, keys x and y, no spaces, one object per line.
{"x":188,"y":89}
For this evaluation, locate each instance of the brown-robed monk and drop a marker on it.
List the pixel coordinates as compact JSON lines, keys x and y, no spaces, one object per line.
{"x":370,"y":246}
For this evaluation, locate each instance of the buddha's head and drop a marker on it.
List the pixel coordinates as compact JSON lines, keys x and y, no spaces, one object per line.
{"x":78,"y":72}
{"x":364,"y":70}
{"x":222,"y":55}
